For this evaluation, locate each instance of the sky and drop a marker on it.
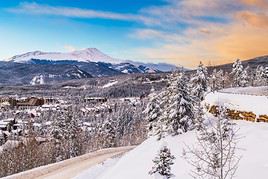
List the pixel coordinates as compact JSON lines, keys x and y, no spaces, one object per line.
{"x":181,"y":32}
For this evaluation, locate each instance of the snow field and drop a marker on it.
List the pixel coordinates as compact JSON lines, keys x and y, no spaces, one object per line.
{"x":253,"y":147}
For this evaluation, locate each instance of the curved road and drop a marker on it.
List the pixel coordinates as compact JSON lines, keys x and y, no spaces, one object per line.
{"x":72,"y":167}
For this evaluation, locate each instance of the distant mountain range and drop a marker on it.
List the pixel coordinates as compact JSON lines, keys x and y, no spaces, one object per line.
{"x":38,"y":67}
{"x":46,"y":67}
{"x":86,"y":55}
{"x":252,"y":63}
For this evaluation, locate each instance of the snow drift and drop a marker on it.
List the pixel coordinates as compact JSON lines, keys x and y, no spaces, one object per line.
{"x":253,"y":148}
{"x":249,"y":103}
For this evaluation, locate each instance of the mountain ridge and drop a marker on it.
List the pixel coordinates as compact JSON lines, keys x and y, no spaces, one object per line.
{"x":252,"y":63}
{"x":87,"y":55}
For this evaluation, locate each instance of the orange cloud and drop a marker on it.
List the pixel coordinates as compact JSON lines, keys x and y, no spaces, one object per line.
{"x":244,"y":35}
{"x":256,"y":3}
{"x":254,"y":19}
{"x":243,"y":42}
{"x":224,"y":45}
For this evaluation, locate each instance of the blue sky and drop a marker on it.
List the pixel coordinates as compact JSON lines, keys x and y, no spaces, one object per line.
{"x":175,"y":31}
{"x":21,"y":32}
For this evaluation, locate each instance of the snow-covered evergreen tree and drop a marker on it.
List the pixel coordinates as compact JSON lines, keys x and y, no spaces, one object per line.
{"x":172,"y":110}
{"x":266,"y":75}
{"x":216,"y":80}
{"x":245,"y":77}
{"x":74,"y":136}
{"x":162,"y":163}
{"x":108,"y":133}
{"x":180,"y":109}
{"x":213,"y":80}
{"x":226,"y":79}
{"x":199,"y":116}
{"x":200,"y":82}
{"x":58,"y":127}
{"x":153,"y":113}
{"x":66,"y":132}
{"x":259,"y":78}
{"x":239,"y":74}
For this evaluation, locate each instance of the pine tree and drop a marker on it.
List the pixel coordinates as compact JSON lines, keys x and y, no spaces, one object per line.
{"x":244,"y":77}
{"x":216,"y":80}
{"x":213,"y":80}
{"x":153,"y":113}
{"x":200,"y":82}
{"x":57,"y":130}
{"x":180,"y":108}
{"x":162,"y":163}
{"x":161,"y":125}
{"x":108,"y":133}
{"x":73,"y":131}
{"x":66,"y":132}
{"x":172,"y":110}
{"x":238,"y":73}
{"x":199,"y":117}
{"x":226,"y":79}
{"x":266,"y":75}
{"x":259,"y":79}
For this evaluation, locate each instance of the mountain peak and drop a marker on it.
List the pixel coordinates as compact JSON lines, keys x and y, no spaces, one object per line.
{"x":85,"y":55}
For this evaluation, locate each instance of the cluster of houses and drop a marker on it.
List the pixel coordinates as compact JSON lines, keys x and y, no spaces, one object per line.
{"x":31,"y":108}
{"x":22,"y":102}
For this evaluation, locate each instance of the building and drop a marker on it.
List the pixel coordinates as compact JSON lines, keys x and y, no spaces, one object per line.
{"x":95,"y":100}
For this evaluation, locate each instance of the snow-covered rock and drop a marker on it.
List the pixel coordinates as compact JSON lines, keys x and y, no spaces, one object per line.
{"x":242,"y":102}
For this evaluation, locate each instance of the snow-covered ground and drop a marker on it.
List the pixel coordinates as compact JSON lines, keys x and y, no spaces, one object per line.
{"x":37,"y":80}
{"x":137,"y":163}
{"x":98,"y":170}
{"x":249,"y":103}
{"x":260,"y":90}
{"x":111,"y":83}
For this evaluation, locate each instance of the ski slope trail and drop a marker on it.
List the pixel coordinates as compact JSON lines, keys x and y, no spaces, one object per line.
{"x":70,"y":168}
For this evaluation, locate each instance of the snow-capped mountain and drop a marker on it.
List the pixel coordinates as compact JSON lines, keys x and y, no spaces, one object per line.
{"x":90,"y":55}
{"x":30,"y":67}
{"x":86,"y":55}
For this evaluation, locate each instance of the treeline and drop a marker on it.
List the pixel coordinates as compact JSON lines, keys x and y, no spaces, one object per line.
{"x":71,"y":132}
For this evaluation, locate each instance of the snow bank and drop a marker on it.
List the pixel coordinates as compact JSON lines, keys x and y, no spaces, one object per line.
{"x":137,"y":163}
{"x":260,"y":90}
{"x":249,"y":103}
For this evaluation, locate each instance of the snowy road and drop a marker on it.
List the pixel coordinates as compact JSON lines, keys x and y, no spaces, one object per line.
{"x":70,"y":168}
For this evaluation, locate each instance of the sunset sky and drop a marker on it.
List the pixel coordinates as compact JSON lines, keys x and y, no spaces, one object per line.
{"x":175,"y":31}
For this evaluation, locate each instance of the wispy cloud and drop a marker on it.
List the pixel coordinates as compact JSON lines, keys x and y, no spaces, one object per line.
{"x":263,"y":4}
{"x":242,"y":33}
{"x":254,"y":19}
{"x":187,"y":31}
{"x":34,"y":8}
